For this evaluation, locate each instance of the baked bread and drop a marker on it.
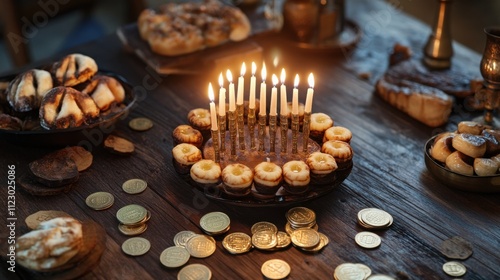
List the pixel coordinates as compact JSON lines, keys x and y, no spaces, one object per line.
{"x":74,"y":69}
{"x":471,"y":145}
{"x":267,"y":177}
{"x":184,"y":156}
{"x":460,"y":163}
{"x":442,"y":146}
{"x":470,"y":127}
{"x":238,"y":179}
{"x":322,"y":167}
{"x":206,"y":173}
{"x":485,"y":166}
{"x":338,"y":133}
{"x":65,"y":107}
{"x":296,"y":175}
{"x":341,"y":152}
{"x":26,"y":91}
{"x":105,"y":91}
{"x":186,"y":134}
{"x":320,"y":122}
{"x":200,"y":119}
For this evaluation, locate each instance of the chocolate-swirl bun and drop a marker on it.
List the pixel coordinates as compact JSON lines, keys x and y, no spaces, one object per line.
{"x":74,"y":69}
{"x":27,"y":90}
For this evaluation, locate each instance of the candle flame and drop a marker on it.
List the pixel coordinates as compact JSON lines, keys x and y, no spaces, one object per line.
{"x":254,"y":68}
{"x":275,"y":61}
{"x":263,"y":72}
{"x":221,"y":80}
{"x":229,"y":76}
{"x":296,"y":81}
{"x":211,"y":92}
{"x":243,"y":69}
{"x":283,"y":75}
{"x":275,"y":80}
{"x":310,"y":79}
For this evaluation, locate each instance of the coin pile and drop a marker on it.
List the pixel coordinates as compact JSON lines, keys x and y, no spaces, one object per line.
{"x":215,"y":223}
{"x":134,"y":186}
{"x":265,"y":236}
{"x":100,"y":200}
{"x":133,"y":219}
{"x":373,"y":218}
{"x":303,"y":230}
{"x":196,"y":245}
{"x":300,"y":217}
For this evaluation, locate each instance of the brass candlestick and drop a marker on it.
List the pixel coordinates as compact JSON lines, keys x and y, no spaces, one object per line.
{"x":272,"y":133}
{"x":295,"y":132}
{"x":305,"y":130}
{"x":215,"y":142}
{"x":284,"y":132}
{"x":232,"y":131}
{"x":241,"y":126}
{"x":251,"y":126}
{"x":262,"y":131}
{"x":438,"y":49}
{"x":222,"y":129}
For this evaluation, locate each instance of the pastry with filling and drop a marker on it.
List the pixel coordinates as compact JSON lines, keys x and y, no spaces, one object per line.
{"x":338,"y":133}
{"x":206,"y":173}
{"x":322,"y":167}
{"x":187,"y":134}
{"x":341,"y":151}
{"x":105,"y":91}
{"x":296,"y":175}
{"x":320,"y":122}
{"x":184,"y":156}
{"x":26,"y":91}
{"x":473,"y":146}
{"x":267,"y":177}
{"x":237,"y":179}
{"x":74,"y":69}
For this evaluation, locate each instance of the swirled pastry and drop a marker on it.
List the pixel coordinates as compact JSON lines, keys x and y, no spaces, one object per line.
{"x":27,"y":90}
{"x":105,"y":91}
{"x":74,"y":69}
{"x":64,"y":107}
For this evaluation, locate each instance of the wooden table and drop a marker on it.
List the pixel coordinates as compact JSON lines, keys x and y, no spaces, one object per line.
{"x":389,"y":171}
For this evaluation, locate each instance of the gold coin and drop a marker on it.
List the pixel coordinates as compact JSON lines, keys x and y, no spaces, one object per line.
{"x":374,"y":218}
{"x":33,"y":220}
{"x":237,"y":243}
{"x":323,"y":241}
{"x":301,"y":217}
{"x":288,"y":228}
{"x":143,"y":221}
{"x":182,"y":237}
{"x":368,"y":240}
{"x":200,"y":246}
{"x":348,"y":271}
{"x":136,"y":246}
{"x":284,"y":240}
{"x":215,"y":223}
{"x":380,"y":277}
{"x":264,"y":240}
{"x":132,"y":230}
{"x":275,"y":269}
{"x":305,"y":238}
{"x":100,"y":200}
{"x":195,"y":271}
{"x":140,"y":124}
{"x":174,"y":256}
{"x":263,"y":226}
{"x":454,"y":269}
{"x":131,"y":214}
{"x":134,"y":186}
{"x":365,"y":269}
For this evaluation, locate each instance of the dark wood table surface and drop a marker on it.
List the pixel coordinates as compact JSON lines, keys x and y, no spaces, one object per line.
{"x":389,"y":171}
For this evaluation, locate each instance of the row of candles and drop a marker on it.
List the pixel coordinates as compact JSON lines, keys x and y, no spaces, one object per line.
{"x":236,"y":111}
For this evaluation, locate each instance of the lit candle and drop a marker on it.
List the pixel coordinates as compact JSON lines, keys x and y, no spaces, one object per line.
{"x":241,"y":83}
{"x":213,"y":115}
{"x":310,"y":94}
{"x":232,"y":105}
{"x":263,"y":91}
{"x":252,"y":87}
{"x":274,"y":97}
{"x":222,"y":96}
{"x":295,"y":97}
{"x":284,"y":106}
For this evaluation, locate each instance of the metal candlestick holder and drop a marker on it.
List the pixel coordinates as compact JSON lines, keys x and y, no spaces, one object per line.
{"x":232,"y":131}
{"x":272,"y":133}
{"x":215,"y":142}
{"x":251,"y":126}
{"x":222,"y":129}
{"x":295,"y":132}
{"x":438,"y":49}
{"x":284,"y":132}
{"x":241,"y":126}
{"x":262,"y":131}
{"x":305,"y":130}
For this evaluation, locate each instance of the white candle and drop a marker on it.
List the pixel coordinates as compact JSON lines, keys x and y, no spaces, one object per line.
{"x":213,"y":115}
{"x":241,"y":84}
{"x":252,"y":87}
{"x":274,"y":97}
{"x":295,"y":97}
{"x":263,"y":91}
{"x":283,"y":105}
{"x":310,"y":94}
{"x":232,"y":105}
{"x":222,"y":96}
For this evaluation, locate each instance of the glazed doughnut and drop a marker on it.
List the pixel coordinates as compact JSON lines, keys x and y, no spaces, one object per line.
{"x":442,"y":146}
{"x":321,"y":163}
{"x":470,"y":127}
{"x":184,"y":156}
{"x":341,"y":151}
{"x":457,"y":162}
{"x":338,"y":133}
{"x":199,"y":118}
{"x":267,"y":177}
{"x":468,"y":144}
{"x":320,"y":122}
{"x":237,"y":178}
{"x":296,"y":175}
{"x":485,"y":166}
{"x":206,"y":171}
{"x":186,"y":134}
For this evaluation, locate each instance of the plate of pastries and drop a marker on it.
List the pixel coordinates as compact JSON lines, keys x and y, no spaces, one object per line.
{"x":467,"y":159}
{"x":54,"y":105}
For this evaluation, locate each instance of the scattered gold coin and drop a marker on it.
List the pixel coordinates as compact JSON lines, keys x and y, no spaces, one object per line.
{"x":140,"y":124}
{"x":131,"y":214}
{"x":349,"y":271}
{"x":100,"y":200}
{"x":275,"y":269}
{"x":368,"y":240}
{"x":182,"y":237}
{"x":373,"y":218}
{"x":456,"y":248}
{"x":136,"y":246}
{"x":200,"y":246}
{"x":237,"y":243}
{"x":134,"y":186}
{"x":33,"y":220}
{"x":454,"y":269}
{"x":264,"y":239}
{"x":284,"y":240}
{"x":174,"y":256}
{"x":263,"y":226}
{"x":132,"y":230}
{"x":215,"y":223}
{"x":195,"y":271}
{"x":323,"y":241}
{"x":305,"y":238}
